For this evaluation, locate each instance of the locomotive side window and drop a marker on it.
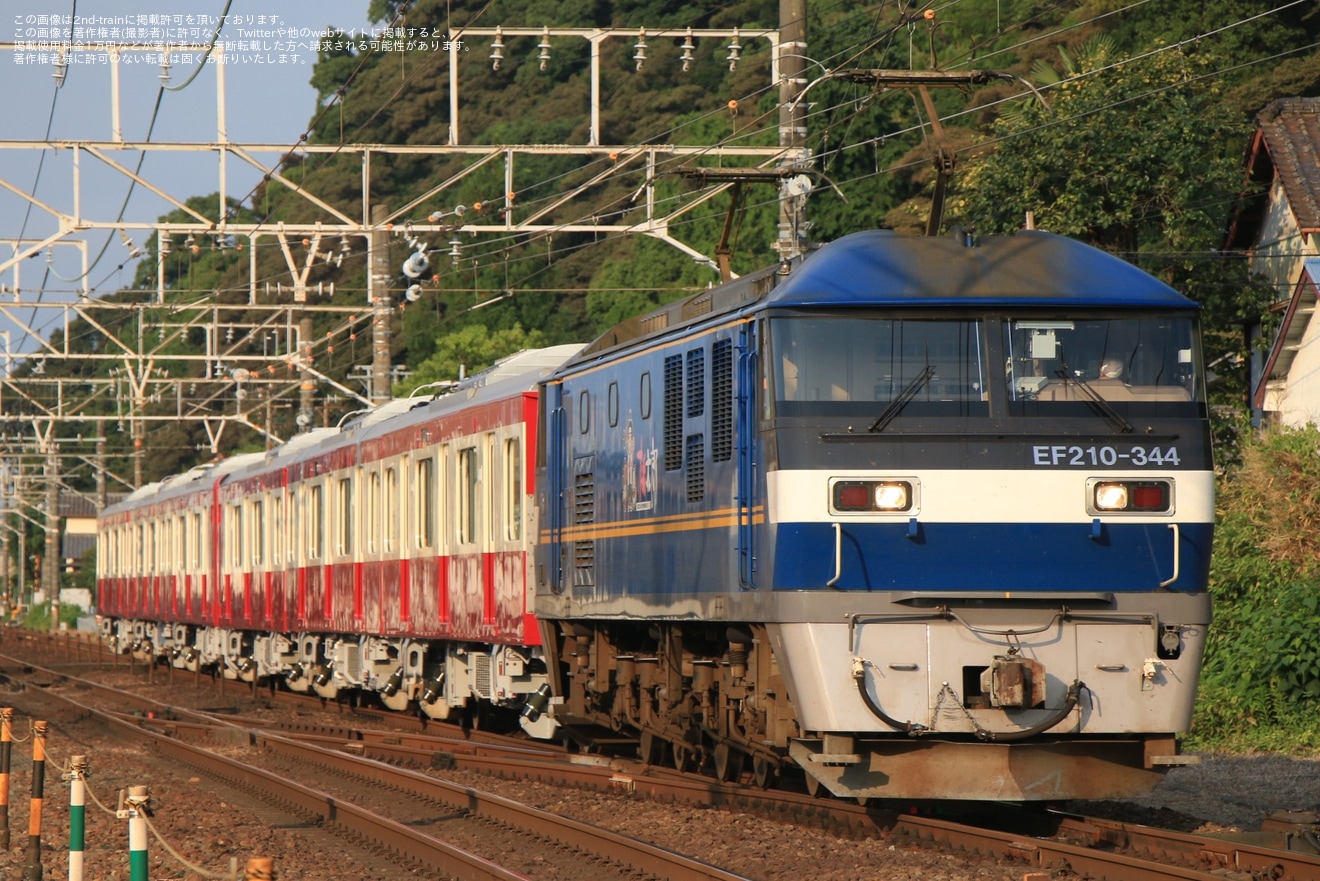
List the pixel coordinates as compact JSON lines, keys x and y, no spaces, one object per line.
{"x":584,"y":411}
{"x":513,"y":466}
{"x":613,"y":405}
{"x":424,"y":493}
{"x":644,"y":395}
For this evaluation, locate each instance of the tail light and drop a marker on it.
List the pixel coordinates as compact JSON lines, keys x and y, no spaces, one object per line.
{"x":1129,"y":496}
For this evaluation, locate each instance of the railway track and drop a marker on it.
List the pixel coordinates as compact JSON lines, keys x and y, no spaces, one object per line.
{"x":1057,"y":843}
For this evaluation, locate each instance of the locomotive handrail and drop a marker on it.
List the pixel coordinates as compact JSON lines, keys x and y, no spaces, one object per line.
{"x":838,"y":555}
{"x":1177,"y":556}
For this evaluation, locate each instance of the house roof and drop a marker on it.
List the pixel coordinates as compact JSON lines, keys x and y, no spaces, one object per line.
{"x":1287,"y":144}
{"x":1301,"y":306}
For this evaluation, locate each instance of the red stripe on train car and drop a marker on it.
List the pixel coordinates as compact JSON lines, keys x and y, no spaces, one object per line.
{"x":405,"y":593}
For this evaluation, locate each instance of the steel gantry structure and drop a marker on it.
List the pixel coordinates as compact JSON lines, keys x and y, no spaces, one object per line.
{"x":227,"y":381}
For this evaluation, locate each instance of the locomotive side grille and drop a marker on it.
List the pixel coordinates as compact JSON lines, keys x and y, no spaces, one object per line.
{"x":696,"y":382}
{"x":721,"y":401}
{"x":584,"y":511}
{"x":696,"y":467}
{"x":673,"y":412}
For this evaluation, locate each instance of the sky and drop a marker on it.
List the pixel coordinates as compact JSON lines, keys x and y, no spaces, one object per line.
{"x":270,"y":50}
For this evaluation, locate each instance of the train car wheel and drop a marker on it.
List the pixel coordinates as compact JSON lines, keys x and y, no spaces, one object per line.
{"x":728,"y":763}
{"x":763,"y":773}
{"x":685,"y":757}
{"x":651,"y":749}
{"x":816,"y":789}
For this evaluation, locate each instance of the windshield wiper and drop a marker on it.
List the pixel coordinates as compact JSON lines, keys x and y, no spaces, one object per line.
{"x":908,"y":393}
{"x":1099,"y":403}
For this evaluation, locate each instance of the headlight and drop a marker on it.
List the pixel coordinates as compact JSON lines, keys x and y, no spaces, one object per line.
{"x":878,"y":496}
{"x":1130,"y":496}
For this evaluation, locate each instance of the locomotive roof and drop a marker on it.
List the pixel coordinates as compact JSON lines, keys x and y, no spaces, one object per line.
{"x":880,"y":268}
{"x":1030,"y":268}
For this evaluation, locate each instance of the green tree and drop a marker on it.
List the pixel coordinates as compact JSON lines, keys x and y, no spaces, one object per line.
{"x":471,"y":349}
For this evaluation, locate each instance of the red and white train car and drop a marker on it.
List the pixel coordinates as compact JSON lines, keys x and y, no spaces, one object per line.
{"x":389,"y":554}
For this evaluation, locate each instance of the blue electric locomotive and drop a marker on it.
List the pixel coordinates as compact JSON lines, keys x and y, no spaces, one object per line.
{"x":926,"y":518}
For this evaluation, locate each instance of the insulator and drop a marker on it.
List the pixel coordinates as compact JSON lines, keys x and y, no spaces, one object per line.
{"x":735,"y":50}
{"x":497,"y":50}
{"x":688,"y":47}
{"x":544,"y":46}
{"x":640,"y":46}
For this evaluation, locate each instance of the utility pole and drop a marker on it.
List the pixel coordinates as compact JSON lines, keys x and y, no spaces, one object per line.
{"x":378,"y":295}
{"x":792,"y":121}
{"x":50,"y":570}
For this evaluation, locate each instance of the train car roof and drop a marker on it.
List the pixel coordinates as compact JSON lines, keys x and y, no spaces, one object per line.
{"x":880,"y":268}
{"x":516,"y":374}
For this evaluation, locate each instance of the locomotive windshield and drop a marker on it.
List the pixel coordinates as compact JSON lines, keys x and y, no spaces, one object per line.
{"x":1122,"y":360}
{"x":938,"y":364}
{"x":846,"y":364}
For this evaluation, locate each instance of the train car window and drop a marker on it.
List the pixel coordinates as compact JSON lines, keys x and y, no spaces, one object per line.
{"x":149,"y":555}
{"x":848,"y":364}
{"x":444,"y":513}
{"x":181,"y":541}
{"x":721,"y":401}
{"x":315,"y":519}
{"x":644,"y":393}
{"x":513,"y":491}
{"x":372,"y":525}
{"x":344,"y":516}
{"x":277,"y":528}
{"x":258,"y":528}
{"x":673,"y":413}
{"x":196,"y":542}
{"x":468,"y":478}
{"x":424,"y":493}
{"x":613,"y":404}
{"x":696,"y":382}
{"x":1133,"y":363}
{"x":390,"y":522}
{"x":584,"y":411}
{"x":236,"y":537}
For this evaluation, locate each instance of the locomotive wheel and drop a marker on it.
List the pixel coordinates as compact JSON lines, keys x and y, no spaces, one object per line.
{"x":685,"y":757}
{"x":651,"y":749}
{"x":763,"y":773}
{"x":728,"y":763}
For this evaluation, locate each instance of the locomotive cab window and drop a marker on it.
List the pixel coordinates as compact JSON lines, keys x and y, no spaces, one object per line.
{"x":858,"y":365}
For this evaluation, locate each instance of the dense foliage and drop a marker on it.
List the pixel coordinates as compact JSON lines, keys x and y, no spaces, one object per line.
{"x":1261,"y":684}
